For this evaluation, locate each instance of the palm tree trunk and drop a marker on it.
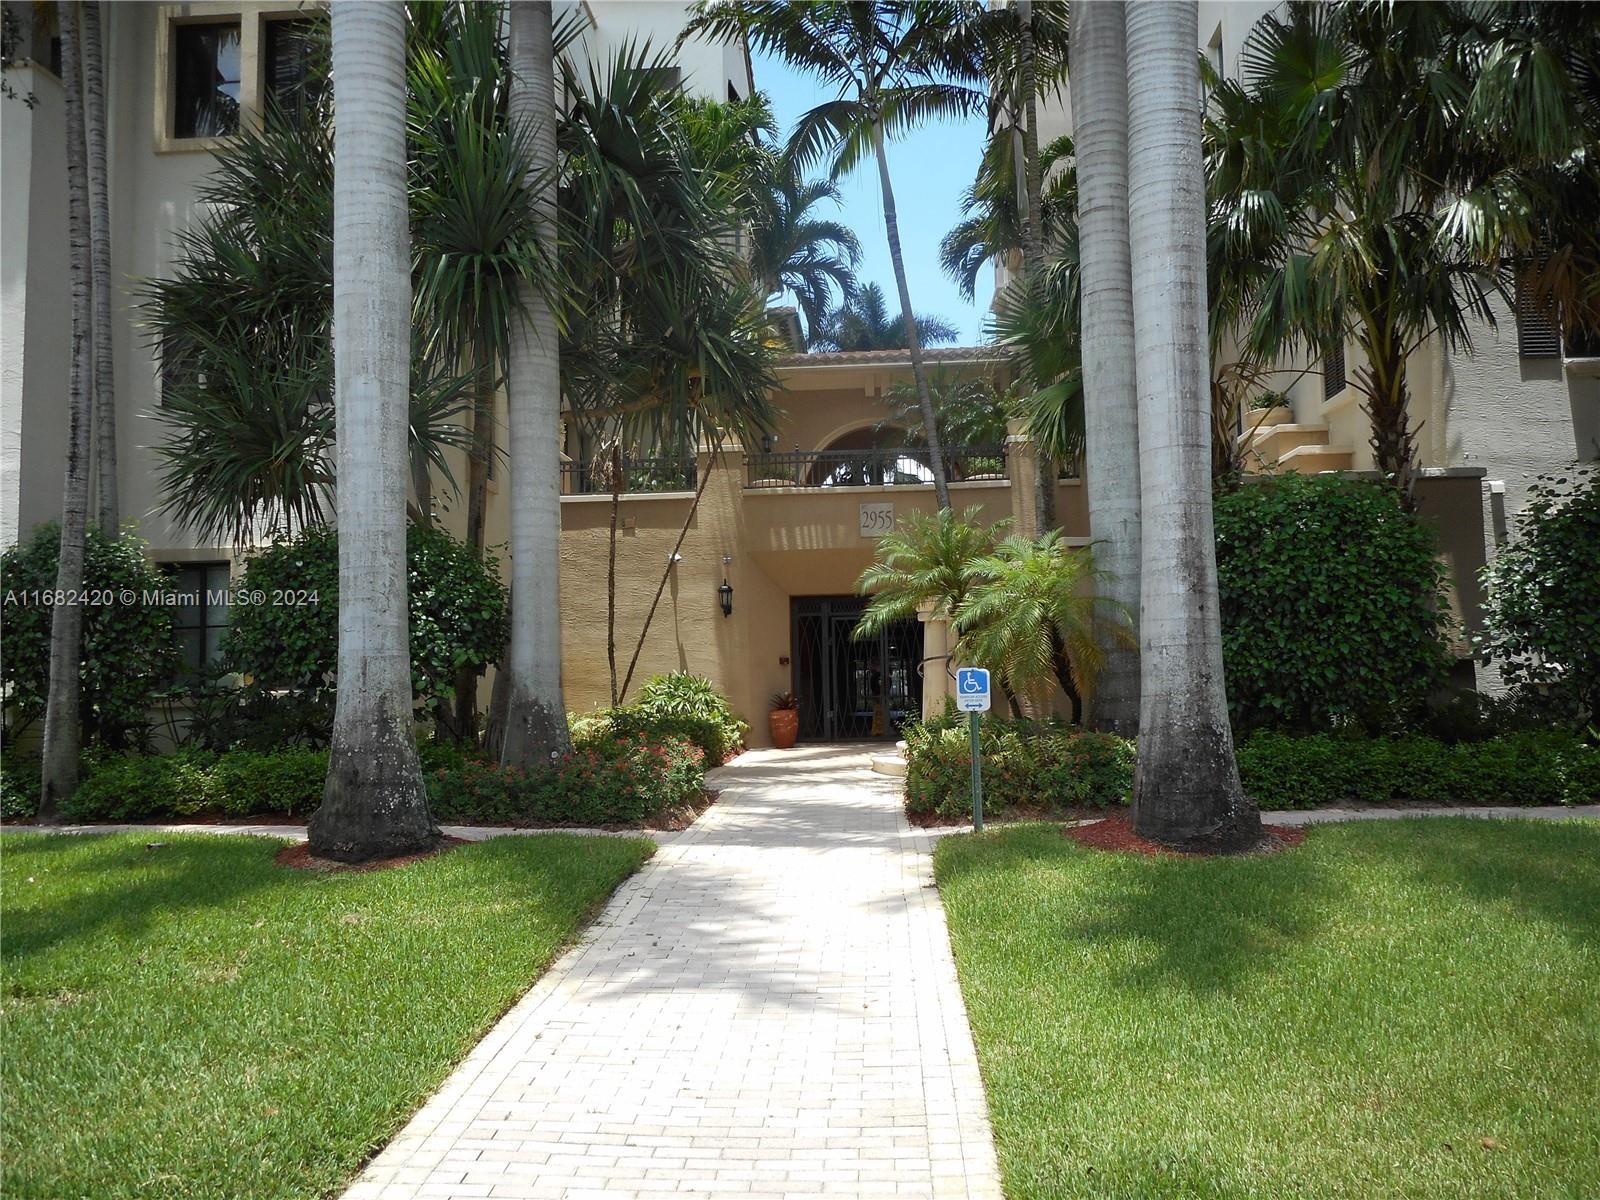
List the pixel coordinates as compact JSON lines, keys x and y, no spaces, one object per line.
{"x":1186,"y":788}
{"x":891,"y":224}
{"x":1099,"y":85}
{"x":611,"y":570}
{"x":478,"y":456}
{"x":373,"y":804}
{"x":105,"y":401}
{"x":1045,"y":469}
{"x":666,"y":574}
{"x":59,"y":762}
{"x":422,"y":483}
{"x":1383,"y":381}
{"x":534,"y":726}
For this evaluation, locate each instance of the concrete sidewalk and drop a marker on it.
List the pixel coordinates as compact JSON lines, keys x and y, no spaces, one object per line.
{"x":768,"y":1009}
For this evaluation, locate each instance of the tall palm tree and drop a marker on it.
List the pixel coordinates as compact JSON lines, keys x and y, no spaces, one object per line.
{"x":105,"y":401}
{"x":877,"y":59}
{"x":794,"y":250}
{"x":1186,"y":782}
{"x":862,"y":322}
{"x":373,"y":805}
{"x":1099,"y":83}
{"x":59,"y":760}
{"x":535,"y":723}
{"x":992,"y":222}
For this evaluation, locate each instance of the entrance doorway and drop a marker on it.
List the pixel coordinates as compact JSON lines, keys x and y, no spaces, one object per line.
{"x":850,"y":689}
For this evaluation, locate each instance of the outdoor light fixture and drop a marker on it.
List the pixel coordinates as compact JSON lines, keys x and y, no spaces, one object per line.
{"x":725,"y":597}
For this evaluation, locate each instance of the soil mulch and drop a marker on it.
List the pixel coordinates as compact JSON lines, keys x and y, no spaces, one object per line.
{"x":1115,"y":832}
{"x":298,"y":857}
{"x":1014,"y":813}
{"x":685,"y":815}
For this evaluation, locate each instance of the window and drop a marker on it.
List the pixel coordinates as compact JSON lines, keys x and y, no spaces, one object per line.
{"x":1333,"y":370}
{"x":206,"y":76}
{"x":1537,"y":335}
{"x":287,"y":79}
{"x":201,"y":616}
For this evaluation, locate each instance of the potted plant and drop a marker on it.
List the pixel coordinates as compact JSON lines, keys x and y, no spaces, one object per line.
{"x":783,"y":719}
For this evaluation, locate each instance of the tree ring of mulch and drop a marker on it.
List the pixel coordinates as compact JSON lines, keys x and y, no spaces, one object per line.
{"x":1115,"y":833}
{"x":298,"y":857}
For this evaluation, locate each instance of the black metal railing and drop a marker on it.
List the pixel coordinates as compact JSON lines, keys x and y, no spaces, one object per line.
{"x":903,"y":467}
{"x":671,"y":474}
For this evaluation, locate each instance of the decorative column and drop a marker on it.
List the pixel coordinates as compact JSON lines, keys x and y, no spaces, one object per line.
{"x":935,"y":664}
{"x":1022,"y":468}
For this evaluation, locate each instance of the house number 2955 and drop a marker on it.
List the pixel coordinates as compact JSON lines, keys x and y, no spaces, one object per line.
{"x":877,"y":519}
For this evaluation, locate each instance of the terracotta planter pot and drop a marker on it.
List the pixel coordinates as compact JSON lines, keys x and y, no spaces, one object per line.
{"x":784,"y":725}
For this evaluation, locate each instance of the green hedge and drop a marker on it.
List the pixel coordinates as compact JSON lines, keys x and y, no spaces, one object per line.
{"x":1051,"y":767}
{"x":618,"y":779}
{"x":677,"y":705}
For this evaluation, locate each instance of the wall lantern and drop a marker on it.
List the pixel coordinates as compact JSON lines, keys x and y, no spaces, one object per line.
{"x":725,"y":597}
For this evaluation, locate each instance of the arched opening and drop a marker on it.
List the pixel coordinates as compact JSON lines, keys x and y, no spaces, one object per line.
{"x":870,"y":457}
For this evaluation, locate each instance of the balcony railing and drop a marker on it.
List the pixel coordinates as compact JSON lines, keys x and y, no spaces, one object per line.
{"x":672,"y":474}
{"x":902,"y":467}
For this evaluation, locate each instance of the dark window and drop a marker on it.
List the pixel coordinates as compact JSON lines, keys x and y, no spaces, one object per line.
{"x":200,"y":617}
{"x":1333,"y":370}
{"x":289,"y":81}
{"x":206,"y":76}
{"x":1537,"y":335}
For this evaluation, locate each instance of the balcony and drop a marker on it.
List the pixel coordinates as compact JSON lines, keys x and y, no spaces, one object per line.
{"x":639,"y":475}
{"x":887,"y":467}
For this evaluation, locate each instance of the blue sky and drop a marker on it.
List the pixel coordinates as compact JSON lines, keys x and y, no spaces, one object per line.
{"x":930,"y":169}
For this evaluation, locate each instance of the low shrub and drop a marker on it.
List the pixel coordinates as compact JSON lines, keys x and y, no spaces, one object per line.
{"x":1053,"y":767}
{"x":1038,"y":765}
{"x":19,"y":788}
{"x":681,"y":696}
{"x":616,"y":779}
{"x":705,"y":732}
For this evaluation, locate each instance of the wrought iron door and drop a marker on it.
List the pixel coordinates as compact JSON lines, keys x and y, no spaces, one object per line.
{"x":850,"y":688}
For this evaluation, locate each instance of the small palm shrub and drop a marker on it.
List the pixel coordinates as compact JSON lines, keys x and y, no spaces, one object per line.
{"x":686,"y":704}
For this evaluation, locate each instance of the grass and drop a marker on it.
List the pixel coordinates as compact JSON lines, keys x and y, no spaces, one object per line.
{"x":1395,"y":1009}
{"x":195,"y":1021}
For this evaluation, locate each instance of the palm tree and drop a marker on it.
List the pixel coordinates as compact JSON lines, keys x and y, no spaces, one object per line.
{"x":1419,"y":157}
{"x":535,"y":722}
{"x":880,"y":61}
{"x":373,"y":805}
{"x":1038,"y":619}
{"x":926,"y":561}
{"x":992,"y":221}
{"x":862,"y":322}
{"x":59,"y":759}
{"x":796,"y":251}
{"x":105,"y":402}
{"x":1186,"y":783}
{"x":1111,"y":434}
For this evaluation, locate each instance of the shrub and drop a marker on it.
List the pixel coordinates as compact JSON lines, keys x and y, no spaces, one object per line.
{"x":1542,"y":616}
{"x":1040,"y":765}
{"x":710,"y":735}
{"x":457,"y":615}
{"x":128,"y":650}
{"x":1332,"y":605}
{"x":1525,"y":768}
{"x":19,"y":788}
{"x":688,"y":706}
{"x":190,"y":783}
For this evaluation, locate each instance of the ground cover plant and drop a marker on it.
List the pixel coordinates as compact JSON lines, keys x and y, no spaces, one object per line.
{"x":1393,"y":1009}
{"x":195,"y":1021}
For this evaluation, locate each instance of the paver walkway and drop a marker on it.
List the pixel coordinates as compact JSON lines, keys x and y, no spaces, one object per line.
{"x":768,"y":1009}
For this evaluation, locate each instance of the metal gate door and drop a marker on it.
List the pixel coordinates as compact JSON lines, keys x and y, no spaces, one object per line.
{"x":851,"y":688}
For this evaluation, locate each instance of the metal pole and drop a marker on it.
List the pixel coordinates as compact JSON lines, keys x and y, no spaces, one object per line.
{"x":977,"y":775}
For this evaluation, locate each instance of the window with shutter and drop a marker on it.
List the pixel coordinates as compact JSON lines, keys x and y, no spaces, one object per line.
{"x":1333,"y":370}
{"x":1537,"y":335}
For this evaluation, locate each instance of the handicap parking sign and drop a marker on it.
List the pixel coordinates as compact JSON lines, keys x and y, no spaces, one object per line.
{"x":972,"y":689}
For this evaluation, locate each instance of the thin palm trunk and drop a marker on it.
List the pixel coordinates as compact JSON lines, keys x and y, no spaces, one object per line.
{"x":464,"y":715}
{"x":1111,"y":414}
{"x":1186,"y":784}
{"x":891,"y":224}
{"x":611,"y":571}
{"x":373,"y":803}
{"x":105,"y":402}
{"x":1382,"y":380}
{"x":1033,"y":231}
{"x":666,"y":574}
{"x":533,"y":727}
{"x":59,"y":763}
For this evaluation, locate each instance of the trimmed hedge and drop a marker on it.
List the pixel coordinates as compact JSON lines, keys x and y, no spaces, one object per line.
{"x":1050,"y":767}
{"x":612,"y":780}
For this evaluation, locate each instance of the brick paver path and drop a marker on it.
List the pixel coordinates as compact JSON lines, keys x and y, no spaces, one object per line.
{"x":768,"y":1009}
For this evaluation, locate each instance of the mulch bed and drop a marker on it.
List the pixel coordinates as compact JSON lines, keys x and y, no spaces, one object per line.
{"x":298,"y":857}
{"x":1115,"y":833}
{"x":1013,"y":813}
{"x":685,"y":815}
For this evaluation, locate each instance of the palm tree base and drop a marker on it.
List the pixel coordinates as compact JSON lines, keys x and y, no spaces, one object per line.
{"x":373,"y":804}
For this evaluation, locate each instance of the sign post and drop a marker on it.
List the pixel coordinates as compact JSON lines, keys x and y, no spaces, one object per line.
{"x":972,"y":698}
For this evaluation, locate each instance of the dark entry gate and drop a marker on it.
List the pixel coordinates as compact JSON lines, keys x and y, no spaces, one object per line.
{"x":847,"y":688}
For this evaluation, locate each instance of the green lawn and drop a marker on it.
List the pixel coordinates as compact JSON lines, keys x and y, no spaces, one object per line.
{"x":1349,"y":1019}
{"x":195,"y":1021}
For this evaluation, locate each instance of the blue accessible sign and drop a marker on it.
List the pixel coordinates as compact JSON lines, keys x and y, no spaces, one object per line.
{"x":972,"y":689}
